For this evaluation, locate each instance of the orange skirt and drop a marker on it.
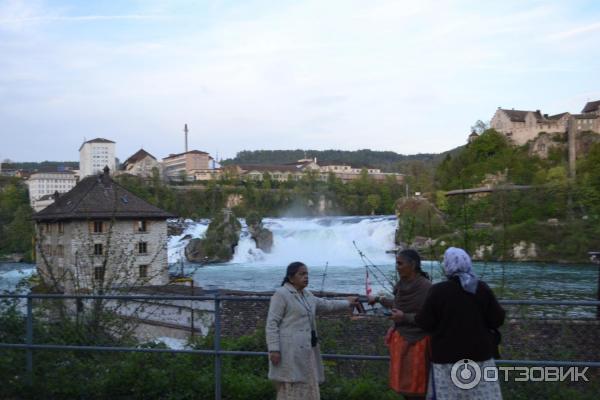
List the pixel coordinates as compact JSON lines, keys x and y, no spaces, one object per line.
{"x":409,"y":365}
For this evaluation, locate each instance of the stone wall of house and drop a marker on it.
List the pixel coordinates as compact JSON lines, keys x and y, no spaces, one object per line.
{"x":70,"y":253}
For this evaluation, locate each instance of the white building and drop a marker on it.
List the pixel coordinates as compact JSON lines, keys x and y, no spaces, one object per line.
{"x":96,"y":154}
{"x":43,"y":184}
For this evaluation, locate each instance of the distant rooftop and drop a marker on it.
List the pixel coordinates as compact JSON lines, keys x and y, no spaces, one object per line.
{"x":97,"y":140}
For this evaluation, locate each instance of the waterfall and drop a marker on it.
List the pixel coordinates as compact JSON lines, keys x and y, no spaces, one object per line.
{"x":314,"y":241}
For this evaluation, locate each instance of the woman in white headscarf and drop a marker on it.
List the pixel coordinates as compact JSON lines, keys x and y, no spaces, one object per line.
{"x":460,"y":314}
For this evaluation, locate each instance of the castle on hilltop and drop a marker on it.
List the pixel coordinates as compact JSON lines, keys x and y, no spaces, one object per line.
{"x":522,"y":126}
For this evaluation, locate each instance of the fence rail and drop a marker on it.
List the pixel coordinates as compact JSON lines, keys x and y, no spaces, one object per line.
{"x":29,"y":346}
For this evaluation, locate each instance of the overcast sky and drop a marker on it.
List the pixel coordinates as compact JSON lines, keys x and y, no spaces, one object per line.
{"x":405,"y":76}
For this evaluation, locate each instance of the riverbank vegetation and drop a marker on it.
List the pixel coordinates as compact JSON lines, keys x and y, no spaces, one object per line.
{"x":16,"y":228}
{"x":534,"y":209}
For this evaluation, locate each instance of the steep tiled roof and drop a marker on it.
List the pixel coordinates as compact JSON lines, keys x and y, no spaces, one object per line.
{"x":591,"y":106}
{"x":99,"y":197}
{"x":139,"y":155}
{"x":558,"y":116}
{"x":519,"y":115}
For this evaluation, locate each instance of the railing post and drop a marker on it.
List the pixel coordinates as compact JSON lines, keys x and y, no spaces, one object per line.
{"x":217,"y":347}
{"x":29,"y":341}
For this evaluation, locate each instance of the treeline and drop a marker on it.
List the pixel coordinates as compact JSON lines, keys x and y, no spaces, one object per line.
{"x":387,"y":161}
{"x":16,"y":227}
{"x":32,"y":165}
{"x":306,"y":197}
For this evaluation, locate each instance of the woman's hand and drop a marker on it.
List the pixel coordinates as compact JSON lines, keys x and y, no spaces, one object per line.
{"x":397,"y":315}
{"x":275,"y":357}
{"x":371,"y":300}
{"x":353,"y":300}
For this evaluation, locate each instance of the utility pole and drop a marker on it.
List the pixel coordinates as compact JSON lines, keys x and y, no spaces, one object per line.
{"x":185,"y":129}
{"x":571,"y":137}
{"x":572,"y":134}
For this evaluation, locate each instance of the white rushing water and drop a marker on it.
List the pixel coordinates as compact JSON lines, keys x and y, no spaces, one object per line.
{"x":325,"y":244}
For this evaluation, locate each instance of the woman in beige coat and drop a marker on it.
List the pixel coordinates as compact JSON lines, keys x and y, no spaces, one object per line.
{"x":295,"y":358}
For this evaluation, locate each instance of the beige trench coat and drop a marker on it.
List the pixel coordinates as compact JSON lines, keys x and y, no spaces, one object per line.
{"x":288,"y":331}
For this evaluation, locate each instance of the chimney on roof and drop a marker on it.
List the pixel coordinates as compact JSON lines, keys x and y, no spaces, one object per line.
{"x":538,"y":111}
{"x":56,"y":195}
{"x":106,"y":170}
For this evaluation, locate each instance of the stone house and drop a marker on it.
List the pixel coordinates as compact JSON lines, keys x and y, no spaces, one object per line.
{"x":141,"y":164}
{"x":522,"y":126}
{"x":99,"y":236}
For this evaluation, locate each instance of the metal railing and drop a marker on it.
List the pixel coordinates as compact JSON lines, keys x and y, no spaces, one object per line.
{"x":29,"y":346}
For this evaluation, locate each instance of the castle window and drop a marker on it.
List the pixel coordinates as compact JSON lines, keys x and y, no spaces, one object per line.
{"x":98,"y":227}
{"x":143,"y":271}
{"x":142,"y":226}
{"x":143,"y":247}
{"x":61,"y":227}
{"x":98,"y":249}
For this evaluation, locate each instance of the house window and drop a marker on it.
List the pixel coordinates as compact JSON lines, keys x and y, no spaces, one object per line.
{"x":60,"y":250}
{"x":98,"y":249}
{"x":98,"y":227}
{"x":143,"y":270}
{"x":48,"y":228}
{"x":142,"y":226}
{"x":99,"y":273}
{"x":61,"y":227}
{"x":143,"y":247}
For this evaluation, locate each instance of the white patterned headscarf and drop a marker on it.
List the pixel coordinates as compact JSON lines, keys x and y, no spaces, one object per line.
{"x":458,"y":263}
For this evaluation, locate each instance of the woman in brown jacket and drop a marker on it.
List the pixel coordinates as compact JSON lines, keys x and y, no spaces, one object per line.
{"x":408,"y":344}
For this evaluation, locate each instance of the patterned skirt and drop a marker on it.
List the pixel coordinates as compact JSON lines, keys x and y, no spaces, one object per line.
{"x":308,"y":390}
{"x":443,"y":387}
{"x":409,"y":365}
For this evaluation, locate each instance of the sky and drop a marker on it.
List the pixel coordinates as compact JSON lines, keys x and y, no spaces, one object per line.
{"x":404,"y":76}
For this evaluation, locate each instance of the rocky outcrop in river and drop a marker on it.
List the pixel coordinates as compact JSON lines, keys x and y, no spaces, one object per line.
{"x":219,"y":242}
{"x":261,"y":235}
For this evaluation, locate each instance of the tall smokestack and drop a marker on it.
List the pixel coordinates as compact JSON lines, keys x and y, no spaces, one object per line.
{"x":185,"y":129}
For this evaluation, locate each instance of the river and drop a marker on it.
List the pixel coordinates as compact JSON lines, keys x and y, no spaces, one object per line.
{"x":327,"y":246}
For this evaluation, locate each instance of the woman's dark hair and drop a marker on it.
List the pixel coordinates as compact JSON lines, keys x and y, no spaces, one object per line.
{"x":292,"y":269}
{"x":415,"y":259}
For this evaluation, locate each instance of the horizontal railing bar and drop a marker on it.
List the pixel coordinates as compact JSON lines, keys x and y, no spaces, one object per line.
{"x":540,"y":363}
{"x":590,"y":303}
